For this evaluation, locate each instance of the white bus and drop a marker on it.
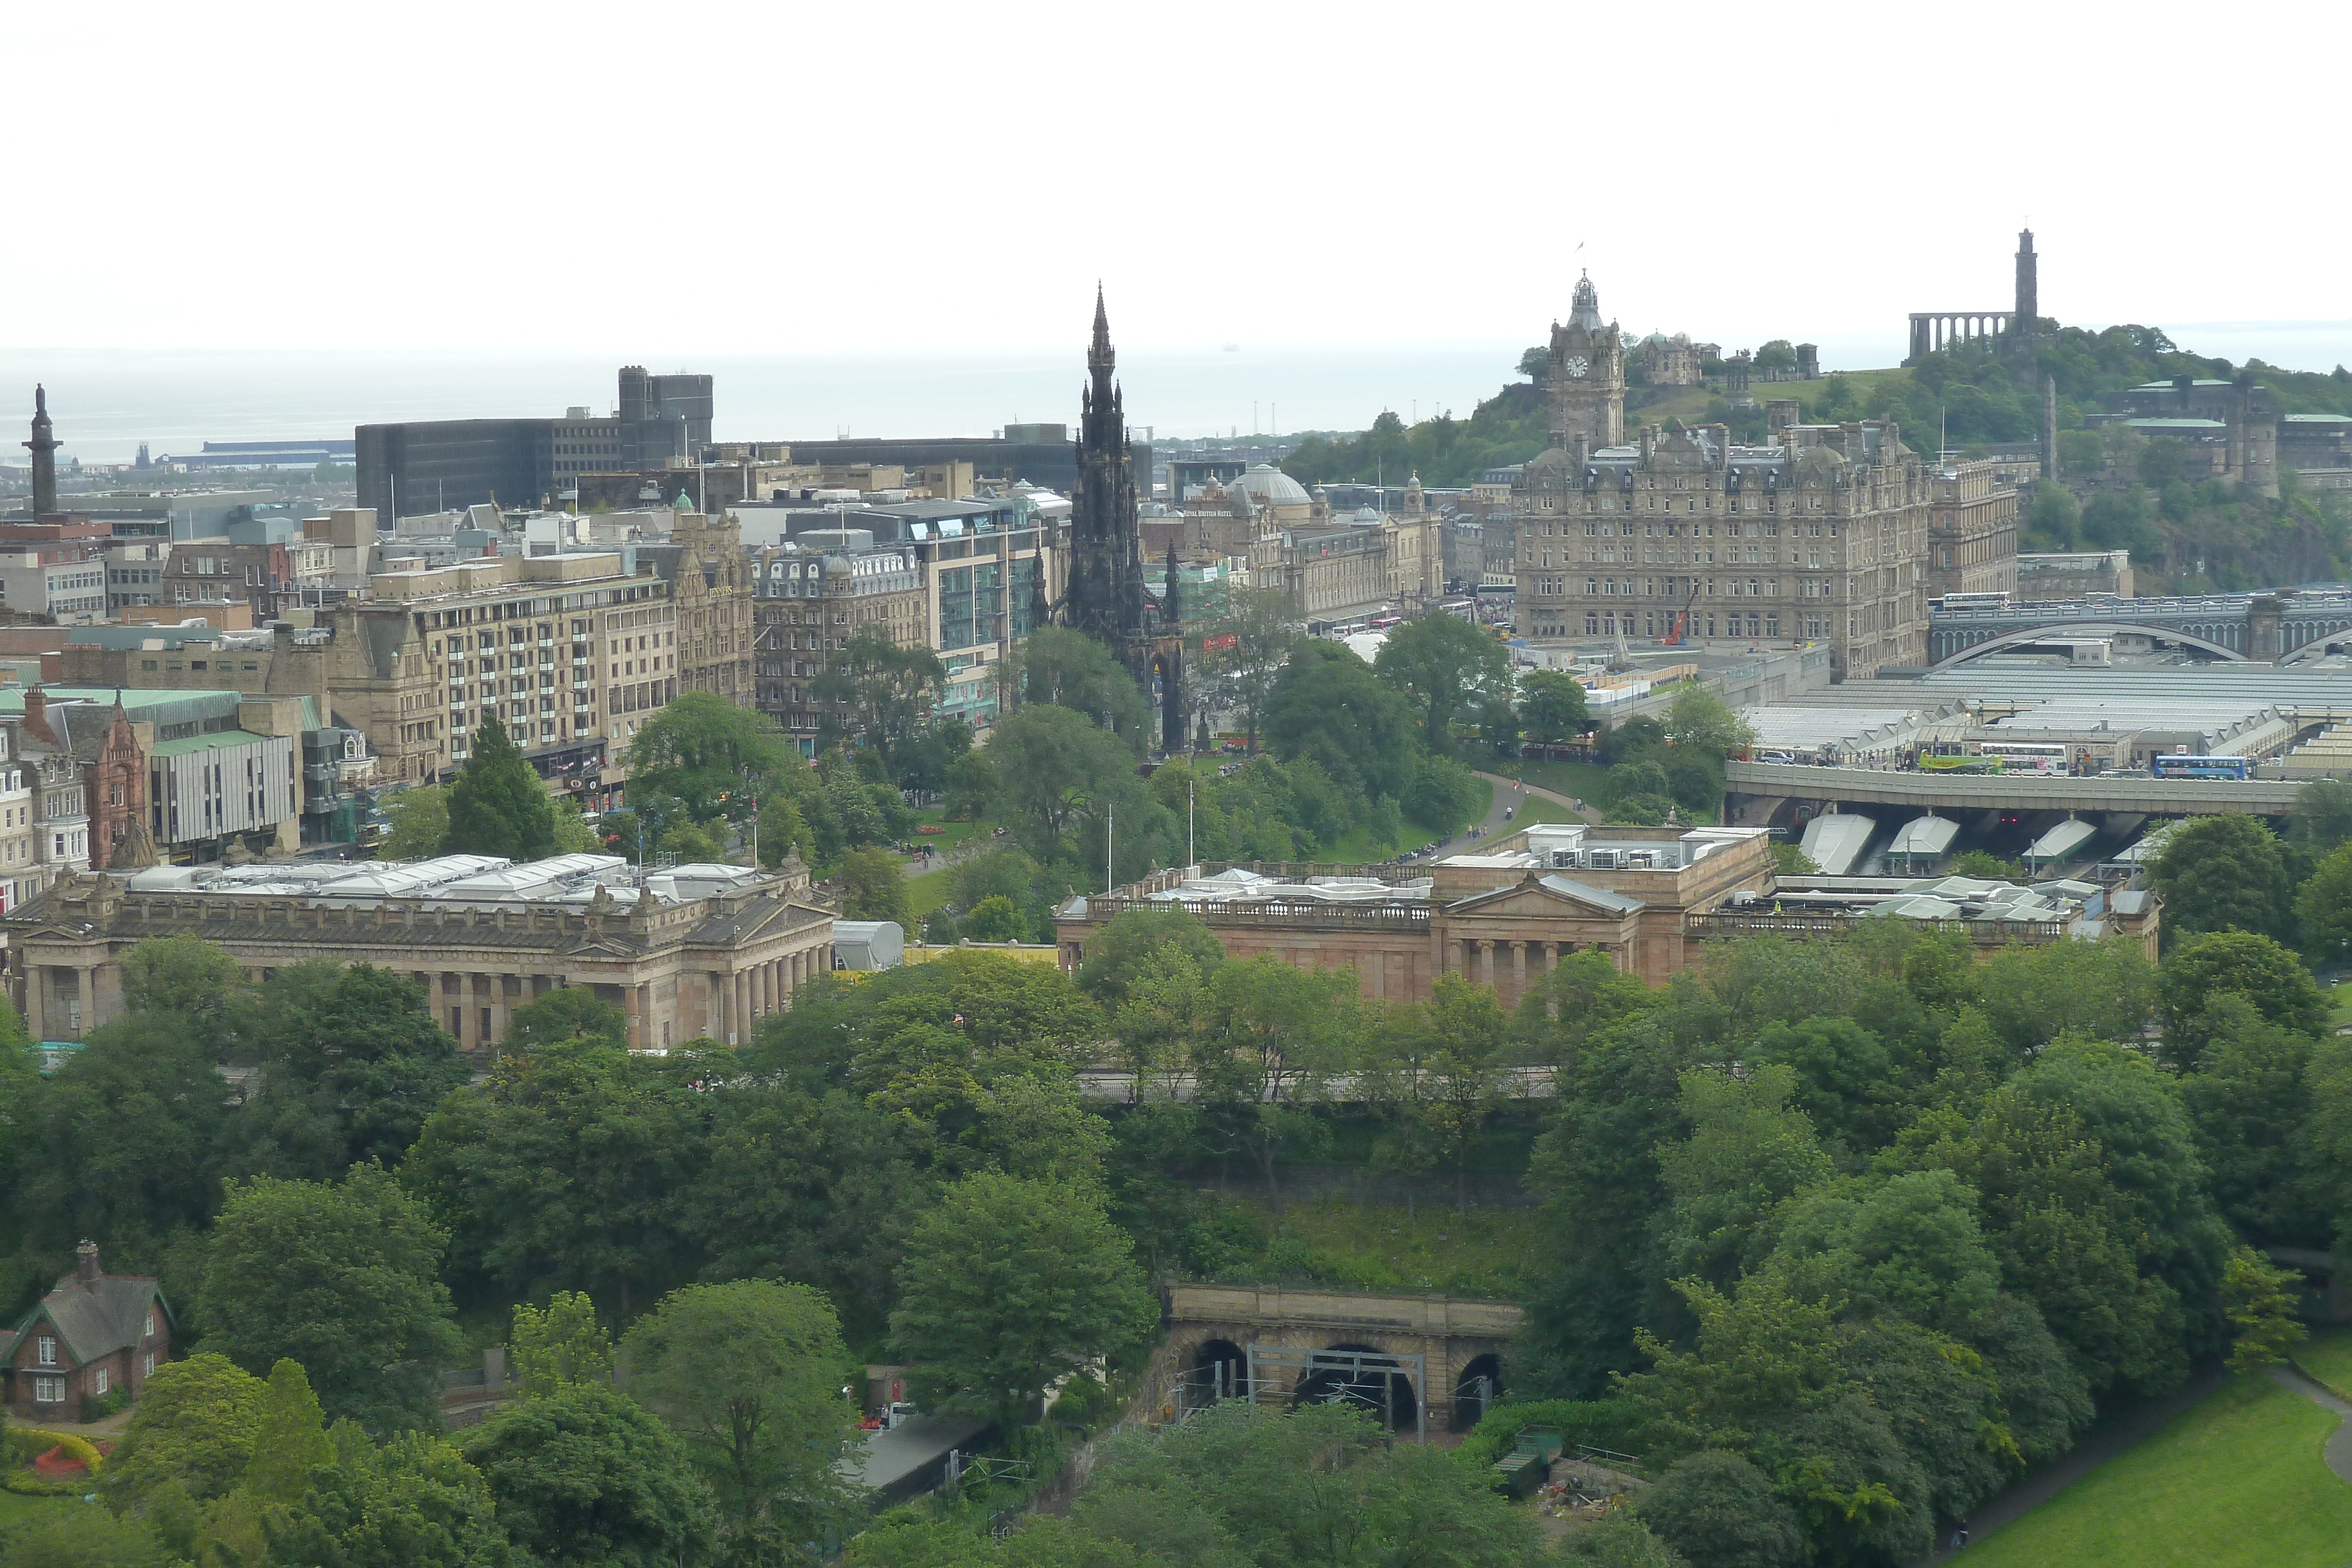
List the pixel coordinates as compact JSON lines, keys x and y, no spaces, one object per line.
{"x":2027,"y":757}
{"x":1971,"y":601}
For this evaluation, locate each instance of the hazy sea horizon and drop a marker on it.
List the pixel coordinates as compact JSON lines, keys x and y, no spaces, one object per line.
{"x":107,"y":401}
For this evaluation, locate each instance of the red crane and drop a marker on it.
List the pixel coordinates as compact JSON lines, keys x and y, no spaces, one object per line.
{"x":1679,"y":627}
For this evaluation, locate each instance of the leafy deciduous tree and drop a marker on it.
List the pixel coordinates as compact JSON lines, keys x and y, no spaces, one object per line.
{"x":2223,"y":873}
{"x":586,"y":1477}
{"x":749,"y":1376}
{"x":194,"y":1424}
{"x":417,"y":820}
{"x":559,"y":1344}
{"x":1552,"y":706}
{"x":342,"y":1278}
{"x":351,"y":1065}
{"x":874,"y":886}
{"x":1009,"y":1284}
{"x":1447,"y":667}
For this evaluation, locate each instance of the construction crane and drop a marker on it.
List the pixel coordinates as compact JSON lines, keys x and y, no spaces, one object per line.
{"x":1679,"y":628}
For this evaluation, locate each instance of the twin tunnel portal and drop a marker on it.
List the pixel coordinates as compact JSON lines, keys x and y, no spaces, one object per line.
{"x":1416,"y":1363}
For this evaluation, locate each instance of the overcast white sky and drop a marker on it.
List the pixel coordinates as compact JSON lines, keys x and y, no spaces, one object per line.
{"x":705,"y":177}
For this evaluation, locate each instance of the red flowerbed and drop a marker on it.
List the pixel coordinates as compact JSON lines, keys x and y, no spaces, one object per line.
{"x":56,"y":1465}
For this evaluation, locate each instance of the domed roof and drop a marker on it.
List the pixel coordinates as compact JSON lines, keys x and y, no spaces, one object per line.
{"x":1270,"y":486}
{"x":1824,"y":462}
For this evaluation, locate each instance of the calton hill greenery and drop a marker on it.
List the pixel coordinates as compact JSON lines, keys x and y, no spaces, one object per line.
{"x":2185,"y":535}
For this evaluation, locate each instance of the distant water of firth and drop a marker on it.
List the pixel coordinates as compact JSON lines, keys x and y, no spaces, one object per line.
{"x":105,"y":402}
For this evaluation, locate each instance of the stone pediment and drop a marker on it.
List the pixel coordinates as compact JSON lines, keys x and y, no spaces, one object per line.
{"x":603,"y":946}
{"x":1547,"y":897}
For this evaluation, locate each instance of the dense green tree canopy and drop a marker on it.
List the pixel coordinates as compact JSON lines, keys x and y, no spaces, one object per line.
{"x":342,"y":1278}
{"x":560,"y":1172}
{"x":1009,"y":1284}
{"x":1447,"y":667}
{"x":412,"y":1503}
{"x":498,"y":804}
{"x":194,"y":1425}
{"x":1116,"y":950}
{"x":704,"y":751}
{"x":558,"y":1345}
{"x":419,"y":819}
{"x":131,"y":1137}
{"x":566,"y":1013}
{"x":1061,"y":779}
{"x":586,"y":1477}
{"x":2202,"y":970}
{"x":879,"y":691}
{"x":874,"y":886}
{"x":351,"y":1065}
{"x":1263,"y":626}
{"x":749,"y":1374}
{"x":1552,"y":706}
{"x":1065,"y":667}
{"x":2320,"y":819}
{"x":1328,"y":705}
{"x":2223,"y":873}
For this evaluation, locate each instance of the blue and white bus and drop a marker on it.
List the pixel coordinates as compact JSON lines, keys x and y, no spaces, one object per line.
{"x":2184,"y":766}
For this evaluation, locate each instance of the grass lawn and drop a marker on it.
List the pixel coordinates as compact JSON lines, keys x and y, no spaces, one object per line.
{"x":1537,"y":809}
{"x":928,"y":891}
{"x":2339,"y":1003}
{"x":1368,"y":1247}
{"x":2234,"y":1482}
{"x":2327,"y":1356}
{"x":1583,"y":781}
{"x":949,"y":835}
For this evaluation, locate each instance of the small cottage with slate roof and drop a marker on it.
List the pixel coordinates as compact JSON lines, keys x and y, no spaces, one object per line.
{"x":92,"y":1335}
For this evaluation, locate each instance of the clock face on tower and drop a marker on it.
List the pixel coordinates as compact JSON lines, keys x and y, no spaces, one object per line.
{"x":1576,"y":365}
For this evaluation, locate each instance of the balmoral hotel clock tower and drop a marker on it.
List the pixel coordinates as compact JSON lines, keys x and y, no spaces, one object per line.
{"x":1588,"y":375}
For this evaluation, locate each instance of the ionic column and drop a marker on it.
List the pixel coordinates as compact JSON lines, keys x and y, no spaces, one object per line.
{"x":634,"y":1014}
{"x":1518,"y":970}
{"x":742,"y":1028}
{"x":1486,"y":963}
